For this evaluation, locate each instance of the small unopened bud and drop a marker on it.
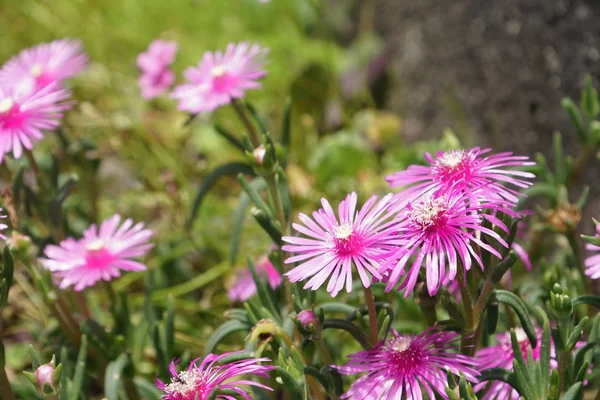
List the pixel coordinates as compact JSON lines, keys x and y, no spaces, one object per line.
{"x":19,"y":243}
{"x":308,"y":320}
{"x":46,"y":377}
{"x":561,"y":302}
{"x":259,"y":154}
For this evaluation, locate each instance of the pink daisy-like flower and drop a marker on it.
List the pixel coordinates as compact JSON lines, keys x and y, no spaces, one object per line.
{"x":406,"y":366}
{"x":100,"y":254}
{"x":501,"y":356}
{"x":244,"y":287}
{"x":220,"y":78}
{"x":24,"y":115}
{"x":199,"y":381}
{"x":331,"y":246}
{"x":156,"y":76}
{"x":440,"y":231}
{"x":592,"y":263}
{"x":469,"y":168}
{"x":45,"y":64}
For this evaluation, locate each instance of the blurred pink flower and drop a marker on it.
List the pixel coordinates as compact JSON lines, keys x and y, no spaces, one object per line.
{"x":99,"y":254}
{"x":220,"y":78}
{"x":156,"y":76}
{"x":25,"y":114}
{"x":199,"y":381}
{"x":331,"y":247}
{"x":406,"y":366}
{"x":592,"y":263}
{"x":243,"y":286}
{"x":501,"y":356}
{"x":465,"y":168}
{"x":440,"y":231}
{"x":44,"y":64}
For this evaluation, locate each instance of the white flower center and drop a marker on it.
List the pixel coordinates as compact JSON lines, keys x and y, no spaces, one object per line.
{"x":451,"y":159}
{"x":218,"y":71}
{"x":95,"y":245}
{"x":184,"y":383}
{"x":428,"y":212}
{"x":343,"y":231}
{"x":6,"y":104}
{"x":36,"y":70}
{"x":402,"y":344}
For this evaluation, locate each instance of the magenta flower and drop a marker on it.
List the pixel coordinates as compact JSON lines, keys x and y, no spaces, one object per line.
{"x":220,"y":78}
{"x":156,"y":76}
{"x":44,"y":64}
{"x":501,"y":356}
{"x":199,"y":381}
{"x":331,"y":247}
{"x":440,"y":231}
{"x":244,"y":287}
{"x":24,"y":115}
{"x":465,"y":168}
{"x":592,"y":263}
{"x":99,"y":254}
{"x":406,"y":366}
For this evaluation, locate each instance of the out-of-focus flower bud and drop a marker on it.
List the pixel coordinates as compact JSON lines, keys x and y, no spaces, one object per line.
{"x":19,"y":244}
{"x":259,"y":154}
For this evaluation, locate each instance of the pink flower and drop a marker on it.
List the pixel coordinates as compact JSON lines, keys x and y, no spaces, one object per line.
{"x":44,"y":64}
{"x":592,"y":263}
{"x":25,"y":114}
{"x":468,"y":168}
{"x":244,"y":287}
{"x":501,"y":356}
{"x":440,"y":231}
{"x":199,"y":381}
{"x":406,"y":366}
{"x":156,"y":76}
{"x":220,"y":78}
{"x":331,"y":247}
{"x":99,"y":254}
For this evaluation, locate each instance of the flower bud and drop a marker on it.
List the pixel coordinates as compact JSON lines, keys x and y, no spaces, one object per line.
{"x":308,"y":320}
{"x":259,"y":154}
{"x":561,"y":302}
{"x":46,"y":377}
{"x":19,"y":243}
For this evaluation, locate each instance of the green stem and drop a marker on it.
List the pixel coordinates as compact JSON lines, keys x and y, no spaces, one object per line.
{"x":580,"y":163}
{"x":5,"y":388}
{"x":241,"y":113}
{"x":370,"y":299}
{"x":563,"y":359}
{"x":467,"y":301}
{"x":325,"y":352}
{"x":482,"y":301}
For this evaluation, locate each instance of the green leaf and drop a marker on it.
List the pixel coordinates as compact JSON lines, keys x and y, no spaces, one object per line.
{"x":239,"y":217}
{"x":269,"y":225}
{"x":554,"y":386}
{"x":76,"y":386}
{"x":284,"y":194}
{"x":576,"y":334}
{"x":265,"y":293}
{"x":579,"y":356}
{"x":286,"y":129}
{"x":295,"y":389}
{"x":589,"y":99}
{"x":230,"y":138}
{"x":497,"y":374}
{"x":491,"y":317}
{"x":35,"y":358}
{"x":574,"y":392}
{"x":113,"y":376}
{"x":169,"y":327}
{"x":161,"y":356}
{"x":542,"y":189}
{"x":571,"y":109}
{"x":252,"y":191}
{"x":147,"y":390}
{"x":6,"y":276}
{"x":230,"y":169}
{"x":587,"y":299}
{"x":512,"y":300}
{"x":545,"y":349}
{"x":224,"y":330}
{"x":356,"y":332}
{"x":559,"y":159}
{"x":504,"y":266}
{"x":336,"y":307}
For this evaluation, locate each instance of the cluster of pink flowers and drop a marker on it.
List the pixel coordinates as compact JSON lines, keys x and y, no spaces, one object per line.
{"x":437,"y":218}
{"x":157,"y":76}
{"x":33,"y":97}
